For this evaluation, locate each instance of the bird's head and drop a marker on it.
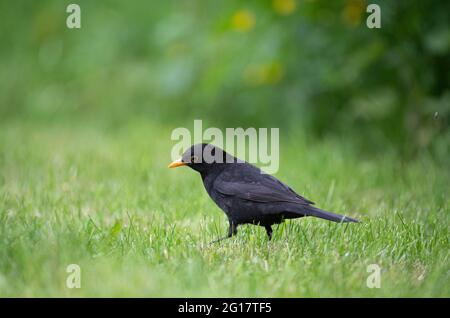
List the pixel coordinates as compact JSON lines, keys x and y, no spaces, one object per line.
{"x":203,"y":158}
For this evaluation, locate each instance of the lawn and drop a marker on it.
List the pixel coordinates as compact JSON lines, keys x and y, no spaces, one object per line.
{"x":102,"y":197}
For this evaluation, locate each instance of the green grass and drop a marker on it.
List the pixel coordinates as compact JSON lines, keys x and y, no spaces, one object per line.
{"x":102,"y":197}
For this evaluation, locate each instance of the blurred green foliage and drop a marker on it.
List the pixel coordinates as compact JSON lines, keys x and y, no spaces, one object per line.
{"x":308,"y":65}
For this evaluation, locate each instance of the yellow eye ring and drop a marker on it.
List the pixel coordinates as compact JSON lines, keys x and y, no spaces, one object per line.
{"x":194,"y":159}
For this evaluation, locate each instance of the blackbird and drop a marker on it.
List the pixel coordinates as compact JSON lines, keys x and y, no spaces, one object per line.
{"x":245,"y":193}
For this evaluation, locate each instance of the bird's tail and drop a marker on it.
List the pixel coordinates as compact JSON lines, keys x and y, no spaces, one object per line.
{"x":313,"y":211}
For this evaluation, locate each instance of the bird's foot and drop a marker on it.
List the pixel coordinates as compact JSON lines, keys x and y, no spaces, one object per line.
{"x":269,"y":232}
{"x":219,"y":240}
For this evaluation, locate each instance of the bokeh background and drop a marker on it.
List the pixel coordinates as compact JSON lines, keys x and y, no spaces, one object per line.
{"x":299,"y":65}
{"x":86,"y":117}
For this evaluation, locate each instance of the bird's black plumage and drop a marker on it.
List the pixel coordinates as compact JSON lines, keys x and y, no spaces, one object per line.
{"x":245,"y":193}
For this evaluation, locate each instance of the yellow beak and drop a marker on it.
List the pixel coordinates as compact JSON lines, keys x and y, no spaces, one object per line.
{"x":177,"y":163}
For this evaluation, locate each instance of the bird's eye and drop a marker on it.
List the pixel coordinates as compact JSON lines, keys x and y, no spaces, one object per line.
{"x":194,"y":159}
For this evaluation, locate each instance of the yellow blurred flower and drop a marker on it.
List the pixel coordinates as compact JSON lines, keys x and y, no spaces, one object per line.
{"x":353,"y":12}
{"x":284,"y":7}
{"x":243,"y":20}
{"x":263,"y":74}
{"x":274,"y":73}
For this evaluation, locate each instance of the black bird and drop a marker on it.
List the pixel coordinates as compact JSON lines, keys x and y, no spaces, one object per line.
{"x":245,"y":193}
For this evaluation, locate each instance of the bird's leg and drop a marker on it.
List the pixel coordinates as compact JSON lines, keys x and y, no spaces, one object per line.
{"x":232,"y":230}
{"x":269,"y":231}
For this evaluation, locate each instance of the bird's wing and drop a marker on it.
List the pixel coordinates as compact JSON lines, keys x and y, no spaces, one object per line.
{"x":288,"y":188}
{"x":247,"y":183}
{"x":256,"y":187}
